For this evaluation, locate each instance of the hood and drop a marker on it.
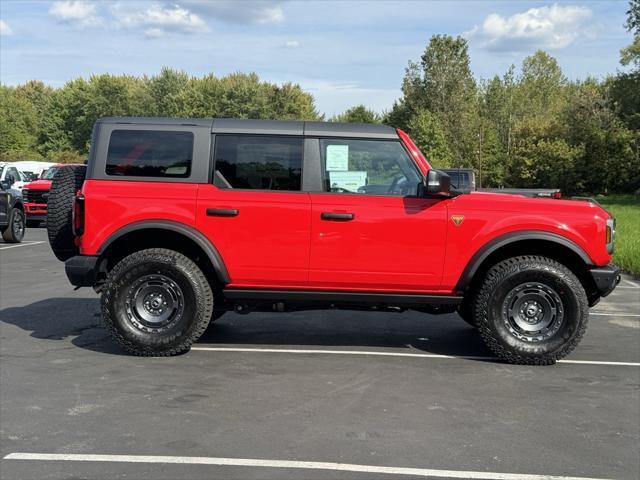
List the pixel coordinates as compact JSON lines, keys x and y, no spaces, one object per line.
{"x":39,"y":185}
{"x":513,"y":202}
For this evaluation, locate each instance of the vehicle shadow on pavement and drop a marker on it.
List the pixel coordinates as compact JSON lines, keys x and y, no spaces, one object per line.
{"x":441,"y":334}
{"x":79,"y":320}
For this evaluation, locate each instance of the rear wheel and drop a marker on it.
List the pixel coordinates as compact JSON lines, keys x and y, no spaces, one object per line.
{"x":14,"y":233}
{"x":156,"y":302}
{"x":66,"y":183}
{"x":531,"y":310}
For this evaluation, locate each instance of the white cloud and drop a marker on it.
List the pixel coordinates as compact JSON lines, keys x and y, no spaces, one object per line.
{"x":292,"y":44}
{"x":551,"y":28}
{"x":235,"y":11}
{"x":76,"y":12}
{"x":157,"y":20}
{"x":5,"y":29}
{"x":154,"y":33}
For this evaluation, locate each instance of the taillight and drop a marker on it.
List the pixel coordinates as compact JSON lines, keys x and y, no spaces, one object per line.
{"x":556,"y":194}
{"x":77,"y":217}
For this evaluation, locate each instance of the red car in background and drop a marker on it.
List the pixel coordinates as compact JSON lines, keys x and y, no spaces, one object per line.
{"x":36,"y":194}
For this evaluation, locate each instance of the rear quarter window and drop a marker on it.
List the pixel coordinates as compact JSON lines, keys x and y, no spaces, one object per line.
{"x":150,"y":153}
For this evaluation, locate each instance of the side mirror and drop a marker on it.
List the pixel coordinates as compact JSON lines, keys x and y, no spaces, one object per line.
{"x":436,"y":184}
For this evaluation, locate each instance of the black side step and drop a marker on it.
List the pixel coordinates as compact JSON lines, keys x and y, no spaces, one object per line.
{"x":353,"y":298}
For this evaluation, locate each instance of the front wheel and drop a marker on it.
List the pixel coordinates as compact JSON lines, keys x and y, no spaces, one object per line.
{"x":156,"y":302}
{"x":531,"y":310}
{"x":14,"y":233}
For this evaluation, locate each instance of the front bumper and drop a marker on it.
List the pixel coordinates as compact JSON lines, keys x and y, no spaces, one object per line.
{"x":35,"y":209}
{"x":606,"y":278}
{"x":81,"y":270}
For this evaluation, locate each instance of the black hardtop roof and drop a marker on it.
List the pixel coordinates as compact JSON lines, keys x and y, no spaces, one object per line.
{"x":266,"y":127}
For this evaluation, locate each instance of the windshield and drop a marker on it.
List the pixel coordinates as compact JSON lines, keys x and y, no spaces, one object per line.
{"x":49,"y":173}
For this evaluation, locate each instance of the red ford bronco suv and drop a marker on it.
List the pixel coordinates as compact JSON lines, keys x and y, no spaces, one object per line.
{"x":36,"y":194}
{"x":176,"y":221}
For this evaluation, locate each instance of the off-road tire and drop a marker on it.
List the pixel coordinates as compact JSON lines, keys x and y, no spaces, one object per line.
{"x":492,"y":319}
{"x":10,"y":234}
{"x":177,"y":337}
{"x":64,"y":186}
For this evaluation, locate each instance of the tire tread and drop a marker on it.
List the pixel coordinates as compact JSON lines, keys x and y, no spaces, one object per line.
{"x":203,"y":311}
{"x":66,"y":182}
{"x":495,"y":276}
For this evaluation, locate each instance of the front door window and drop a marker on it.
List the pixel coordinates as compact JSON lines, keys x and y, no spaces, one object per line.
{"x":374,"y":167}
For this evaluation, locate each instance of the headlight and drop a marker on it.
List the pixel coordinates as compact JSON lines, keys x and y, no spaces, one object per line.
{"x":611,"y":234}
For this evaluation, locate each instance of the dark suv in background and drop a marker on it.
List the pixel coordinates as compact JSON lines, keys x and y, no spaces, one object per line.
{"x":12,"y":219}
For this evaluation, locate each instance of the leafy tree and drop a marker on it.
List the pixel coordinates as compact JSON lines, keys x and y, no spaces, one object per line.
{"x":541,"y":88}
{"x":429,"y":137}
{"x":631,"y":53}
{"x":443,"y":84}
{"x":18,"y":123}
{"x":358,"y":114}
{"x":608,"y":162}
{"x":500,"y":108}
{"x":164,"y":92}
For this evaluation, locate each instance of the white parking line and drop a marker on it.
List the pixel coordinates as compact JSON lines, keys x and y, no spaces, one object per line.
{"x":291,"y":464}
{"x":629,"y":282}
{"x":23,"y":244}
{"x":392,"y":354}
{"x":609,"y":314}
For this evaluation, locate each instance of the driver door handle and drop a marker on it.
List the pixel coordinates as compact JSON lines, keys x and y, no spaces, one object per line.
{"x":337,"y":216}
{"x":222,"y":212}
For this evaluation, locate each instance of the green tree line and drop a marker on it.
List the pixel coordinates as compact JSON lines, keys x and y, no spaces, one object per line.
{"x":529,"y":127}
{"x":40,"y":122}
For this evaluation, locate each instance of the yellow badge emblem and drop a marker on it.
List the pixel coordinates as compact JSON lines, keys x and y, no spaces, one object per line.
{"x":457,"y":219}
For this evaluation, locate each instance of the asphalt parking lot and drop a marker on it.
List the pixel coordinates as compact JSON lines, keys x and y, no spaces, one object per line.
{"x":318,"y":395}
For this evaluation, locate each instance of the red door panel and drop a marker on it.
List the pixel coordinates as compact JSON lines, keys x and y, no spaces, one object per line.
{"x":263,"y":237}
{"x":390,"y":243}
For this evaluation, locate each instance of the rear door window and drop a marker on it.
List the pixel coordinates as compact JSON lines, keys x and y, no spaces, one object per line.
{"x":150,"y":153}
{"x":258,"y":162}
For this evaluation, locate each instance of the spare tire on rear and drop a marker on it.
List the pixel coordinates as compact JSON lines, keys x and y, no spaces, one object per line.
{"x":66,"y":183}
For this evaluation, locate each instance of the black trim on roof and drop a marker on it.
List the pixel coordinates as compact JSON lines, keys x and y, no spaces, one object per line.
{"x":196,"y":122}
{"x":360,"y":130}
{"x":266,"y":127}
{"x":261,"y":127}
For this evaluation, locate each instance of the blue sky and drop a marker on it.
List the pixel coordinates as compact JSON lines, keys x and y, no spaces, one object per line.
{"x":344,"y":53}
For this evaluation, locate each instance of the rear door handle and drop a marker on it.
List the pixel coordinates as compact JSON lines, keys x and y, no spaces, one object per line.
{"x":222,"y":212}
{"x":337,"y":216}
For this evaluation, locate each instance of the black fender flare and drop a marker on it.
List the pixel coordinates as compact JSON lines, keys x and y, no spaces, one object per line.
{"x":201,"y":240}
{"x":503,"y":240}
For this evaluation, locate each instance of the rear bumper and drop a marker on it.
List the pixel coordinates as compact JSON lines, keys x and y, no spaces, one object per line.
{"x":606,"y":278}
{"x":81,"y":270}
